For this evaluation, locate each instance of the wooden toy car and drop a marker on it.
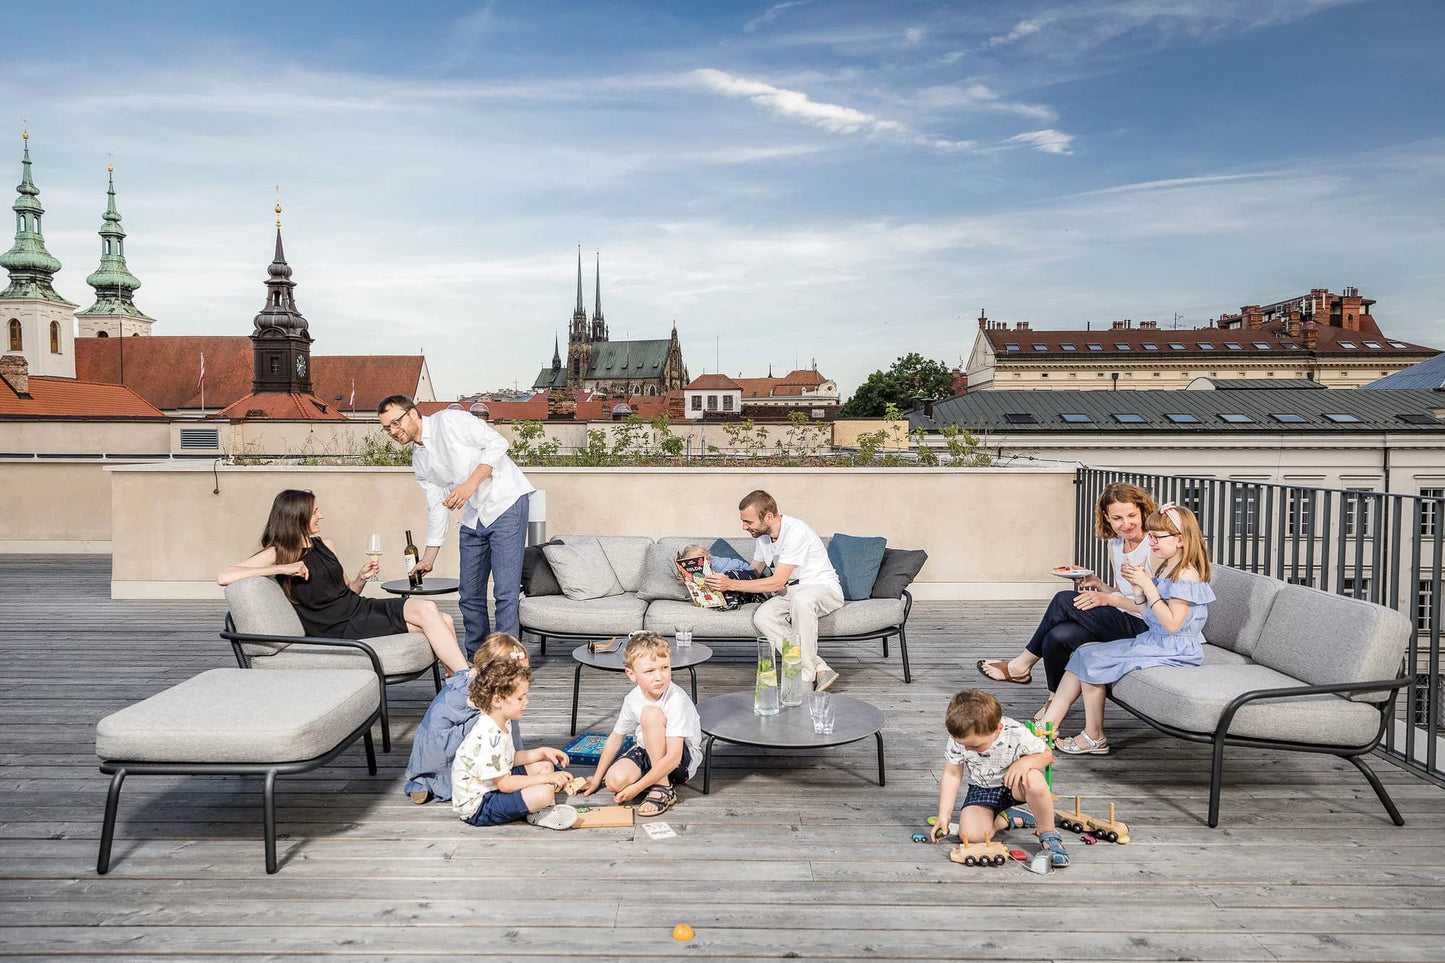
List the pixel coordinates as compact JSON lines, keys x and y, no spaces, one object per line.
{"x":987,"y":853}
{"x":1081,"y":822}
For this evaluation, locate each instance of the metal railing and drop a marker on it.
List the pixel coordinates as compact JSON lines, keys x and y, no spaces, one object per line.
{"x":1384,"y":547}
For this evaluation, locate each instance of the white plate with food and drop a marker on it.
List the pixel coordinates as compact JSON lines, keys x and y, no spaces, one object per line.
{"x":1071,"y":571}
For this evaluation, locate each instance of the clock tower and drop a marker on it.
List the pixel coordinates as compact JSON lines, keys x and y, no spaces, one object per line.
{"x":281,"y":342}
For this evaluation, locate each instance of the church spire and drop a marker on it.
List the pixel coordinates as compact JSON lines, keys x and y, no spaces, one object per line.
{"x":30,"y":265}
{"x":599,"y":326}
{"x":556,"y":353}
{"x":281,"y":339}
{"x":114,"y":285}
{"x":577,"y":332}
{"x":580,"y":308}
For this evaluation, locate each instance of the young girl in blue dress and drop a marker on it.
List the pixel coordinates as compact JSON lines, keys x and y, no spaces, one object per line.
{"x":1176,"y":603}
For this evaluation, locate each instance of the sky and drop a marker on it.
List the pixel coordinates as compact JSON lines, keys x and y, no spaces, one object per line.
{"x":790,"y":183}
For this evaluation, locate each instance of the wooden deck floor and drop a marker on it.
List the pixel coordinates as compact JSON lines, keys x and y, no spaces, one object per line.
{"x":791,"y":855}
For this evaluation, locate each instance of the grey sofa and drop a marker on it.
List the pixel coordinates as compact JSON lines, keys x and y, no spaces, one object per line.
{"x":1285,"y":667}
{"x":652,"y":599}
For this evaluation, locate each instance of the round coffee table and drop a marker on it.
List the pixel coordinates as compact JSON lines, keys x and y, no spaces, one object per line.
{"x":731,"y":718}
{"x":687,"y":657}
{"x":428,"y":586}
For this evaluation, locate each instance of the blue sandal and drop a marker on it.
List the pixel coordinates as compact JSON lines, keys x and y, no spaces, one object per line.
{"x":1018,"y":818}
{"x":1053,"y":844}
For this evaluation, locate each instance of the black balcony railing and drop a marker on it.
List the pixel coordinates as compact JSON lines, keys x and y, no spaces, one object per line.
{"x":1380,"y":546}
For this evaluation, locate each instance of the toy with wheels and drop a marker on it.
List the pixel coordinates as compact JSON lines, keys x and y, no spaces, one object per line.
{"x":1081,"y":822}
{"x":1045,"y":731}
{"x":987,"y":853}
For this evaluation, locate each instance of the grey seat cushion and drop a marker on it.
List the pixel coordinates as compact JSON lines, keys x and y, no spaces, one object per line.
{"x":1194,"y":697}
{"x":612,"y":615}
{"x":1218,"y":655}
{"x":399,"y":654}
{"x":582,"y":568}
{"x":706,"y":623}
{"x":233,"y":715}
{"x":861,"y":617}
{"x":1241,"y":602}
{"x":1322,"y":639}
{"x":258,"y":606}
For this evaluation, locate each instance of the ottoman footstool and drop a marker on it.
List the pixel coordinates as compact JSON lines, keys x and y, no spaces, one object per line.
{"x":236,"y":722}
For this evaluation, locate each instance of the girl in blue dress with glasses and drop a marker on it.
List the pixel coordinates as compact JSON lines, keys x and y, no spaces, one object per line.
{"x":1176,"y":604}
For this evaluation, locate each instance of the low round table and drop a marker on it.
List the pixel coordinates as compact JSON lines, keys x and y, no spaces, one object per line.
{"x":731,"y":718}
{"x":687,"y":657}
{"x":428,"y":586}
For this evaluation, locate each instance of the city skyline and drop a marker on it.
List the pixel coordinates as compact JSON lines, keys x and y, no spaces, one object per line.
{"x":798,"y":179}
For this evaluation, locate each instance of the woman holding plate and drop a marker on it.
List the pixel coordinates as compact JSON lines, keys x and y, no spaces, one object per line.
{"x":1094,"y":611}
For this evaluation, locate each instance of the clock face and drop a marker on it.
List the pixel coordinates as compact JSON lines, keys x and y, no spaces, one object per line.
{"x":301,"y":367}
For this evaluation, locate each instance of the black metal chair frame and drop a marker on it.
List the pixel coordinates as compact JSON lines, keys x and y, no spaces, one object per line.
{"x":1221,"y":737}
{"x":243,"y":659}
{"x":118,"y":769}
{"x":882,"y":635}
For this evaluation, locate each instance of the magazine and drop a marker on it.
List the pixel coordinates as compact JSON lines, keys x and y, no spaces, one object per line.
{"x":694,"y":572}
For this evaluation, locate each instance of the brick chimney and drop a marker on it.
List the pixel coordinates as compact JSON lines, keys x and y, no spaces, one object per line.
{"x":982,"y":320}
{"x":1021,"y":325}
{"x":1311,"y":337}
{"x":15,"y":371}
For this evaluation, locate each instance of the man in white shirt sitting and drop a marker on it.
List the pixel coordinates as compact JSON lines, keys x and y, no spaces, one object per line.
{"x":461,"y":462}
{"x":804,"y":579}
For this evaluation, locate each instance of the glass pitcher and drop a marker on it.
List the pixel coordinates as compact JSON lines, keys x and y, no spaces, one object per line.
{"x":792,"y":687}
{"x":765,"y":688}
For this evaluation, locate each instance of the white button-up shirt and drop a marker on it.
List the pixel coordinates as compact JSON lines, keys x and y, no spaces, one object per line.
{"x":453,"y":444}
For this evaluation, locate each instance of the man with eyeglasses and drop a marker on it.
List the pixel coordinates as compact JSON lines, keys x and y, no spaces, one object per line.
{"x":461,"y":462}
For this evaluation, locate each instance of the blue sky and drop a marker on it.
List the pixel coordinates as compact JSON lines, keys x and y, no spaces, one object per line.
{"x":839,"y":181}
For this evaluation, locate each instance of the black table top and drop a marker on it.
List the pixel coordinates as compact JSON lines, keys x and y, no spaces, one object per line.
{"x":730,"y":717}
{"x":682,"y":658}
{"x":429,"y":586}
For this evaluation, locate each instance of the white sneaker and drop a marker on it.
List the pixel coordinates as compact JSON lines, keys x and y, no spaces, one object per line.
{"x":559,"y":816}
{"x":825,"y":678}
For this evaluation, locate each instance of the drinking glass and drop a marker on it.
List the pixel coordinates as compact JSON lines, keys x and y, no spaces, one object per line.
{"x":373,"y":549}
{"x":765,"y":684}
{"x":682,"y":632}
{"x":820,"y":707}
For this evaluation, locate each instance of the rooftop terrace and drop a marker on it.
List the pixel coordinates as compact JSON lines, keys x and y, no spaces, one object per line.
{"x":797,"y":855}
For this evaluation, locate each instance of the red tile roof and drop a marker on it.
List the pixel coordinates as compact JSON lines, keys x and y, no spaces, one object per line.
{"x":713,"y":381}
{"x":276,"y":406}
{"x":64,"y":398}
{"x":164,"y":371}
{"x":1272,"y":334}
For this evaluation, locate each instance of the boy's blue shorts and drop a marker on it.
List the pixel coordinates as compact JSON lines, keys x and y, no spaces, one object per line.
{"x":639,"y":757}
{"x":997,"y":798}
{"x":501,"y":807}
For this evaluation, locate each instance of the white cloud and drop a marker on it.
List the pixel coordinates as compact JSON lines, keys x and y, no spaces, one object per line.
{"x":977,"y":96}
{"x":771,"y":14}
{"x":1049,"y":141}
{"x":1024,"y":28}
{"x":913,"y":36}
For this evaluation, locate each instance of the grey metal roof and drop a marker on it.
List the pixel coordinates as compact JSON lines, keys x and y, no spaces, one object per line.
{"x":1255,"y":384}
{"x":1303,"y":410}
{"x":1427,"y":376}
{"x":550,"y":377}
{"x":628,"y":359}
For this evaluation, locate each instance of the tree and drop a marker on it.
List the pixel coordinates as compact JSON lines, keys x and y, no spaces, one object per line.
{"x":911,"y":376}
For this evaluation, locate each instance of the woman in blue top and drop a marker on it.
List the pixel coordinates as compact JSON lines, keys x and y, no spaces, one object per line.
{"x":1176,"y":603}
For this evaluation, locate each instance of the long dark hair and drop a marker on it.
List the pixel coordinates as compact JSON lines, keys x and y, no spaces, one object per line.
{"x":288,"y":528}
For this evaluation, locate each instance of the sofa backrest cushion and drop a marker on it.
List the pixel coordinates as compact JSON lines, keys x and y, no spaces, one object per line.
{"x":259,"y":606}
{"x":659,"y":575}
{"x":1321,"y":639}
{"x":856,"y":559}
{"x":1241,"y":604}
{"x":582,"y":567}
{"x":537,"y":576}
{"x":899,"y":568}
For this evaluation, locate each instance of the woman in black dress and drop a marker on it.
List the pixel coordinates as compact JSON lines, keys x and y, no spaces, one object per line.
{"x":329,"y":605}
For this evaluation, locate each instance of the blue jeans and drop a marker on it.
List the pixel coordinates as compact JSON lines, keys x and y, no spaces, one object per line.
{"x":493,"y":550}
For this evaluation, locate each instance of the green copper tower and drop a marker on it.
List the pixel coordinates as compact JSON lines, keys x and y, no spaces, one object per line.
{"x":30,"y":265}
{"x":114,"y":285}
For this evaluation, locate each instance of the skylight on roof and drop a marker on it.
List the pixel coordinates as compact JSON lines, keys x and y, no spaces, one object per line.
{"x":1121,"y":346}
{"x":1020,"y":418}
{"x":1177,"y":345}
{"x":1077,"y":418}
{"x":1040,"y":347}
{"x":1067,"y":346}
{"x":1399,"y":344}
{"x":1261,"y":345}
{"x":1096,"y":347}
{"x":1291,"y":345}
{"x":1373,"y":344}
{"x":1128,"y":418}
{"x":1237,"y":419}
{"x":1011,"y":347}
{"x":1183,"y":419}
{"x":1233,"y":346}
{"x":1348,"y":344}
{"x":1206,"y":346}
{"x":1287,"y":417}
{"x":1418,"y":418}
{"x":1341,"y":418}
{"x":1150,"y":346}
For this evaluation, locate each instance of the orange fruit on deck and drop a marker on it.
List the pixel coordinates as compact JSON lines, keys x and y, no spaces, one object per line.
{"x":682,"y":932}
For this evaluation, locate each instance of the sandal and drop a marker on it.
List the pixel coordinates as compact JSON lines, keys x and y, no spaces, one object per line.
{"x":1017,"y":817}
{"x":660,"y":798}
{"x":1083,"y":745}
{"x":1001,"y":667}
{"x":1053,"y":844}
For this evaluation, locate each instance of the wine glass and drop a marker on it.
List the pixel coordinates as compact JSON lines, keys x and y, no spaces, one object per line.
{"x":373,"y":548}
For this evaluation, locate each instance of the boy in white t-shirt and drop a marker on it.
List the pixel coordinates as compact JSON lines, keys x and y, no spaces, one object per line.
{"x":665,"y":729}
{"x":1005,"y":764}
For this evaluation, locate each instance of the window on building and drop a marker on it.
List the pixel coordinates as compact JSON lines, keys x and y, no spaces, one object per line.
{"x":1011,"y":347}
{"x":1234,"y":346}
{"x":1399,"y":344}
{"x":1150,"y":346}
{"x":1206,"y":346}
{"x":1300,"y":512}
{"x":1183,"y":418}
{"x":1129,"y":418}
{"x":1121,"y":346}
{"x":1290,"y":345}
{"x":1424,"y":604}
{"x":1359,"y":513}
{"x":55,"y":337}
{"x":1040,"y":347}
{"x":1348,"y":344}
{"x":275,"y":365}
{"x":1373,"y":344}
{"x":1418,"y":418}
{"x":1192,"y":498}
{"x":712,"y":402}
{"x":1261,"y":345}
{"x":1020,"y":418}
{"x":1077,"y":418}
{"x":1067,"y":346}
{"x":1287,"y":418}
{"x":727,"y":402}
{"x":697,"y":402}
{"x":1244,"y":511}
{"x":17,"y":340}
{"x":1356,"y":588}
{"x":1176,"y":345}
{"x":1096,"y":347}
{"x":1237,"y":419}
{"x":1424,"y":690}
{"x":1341,"y":418}
{"x":1430,"y":510}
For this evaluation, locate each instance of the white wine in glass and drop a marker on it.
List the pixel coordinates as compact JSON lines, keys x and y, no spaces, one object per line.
{"x":373,"y":548}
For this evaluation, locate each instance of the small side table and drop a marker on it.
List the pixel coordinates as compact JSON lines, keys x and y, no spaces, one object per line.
{"x":428,"y":586}
{"x":688,"y":657}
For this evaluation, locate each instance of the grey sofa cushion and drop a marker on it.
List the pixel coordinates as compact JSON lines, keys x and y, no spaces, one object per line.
{"x":865,"y":615}
{"x":900,"y":567}
{"x":625,"y":553}
{"x":706,"y":623}
{"x":1241,"y":603}
{"x":232,"y":715}
{"x":259,"y":606}
{"x":1322,"y":639}
{"x":582,"y":568}
{"x":398,"y":654}
{"x":610,"y":615}
{"x":659,"y":576}
{"x":1194,"y":697}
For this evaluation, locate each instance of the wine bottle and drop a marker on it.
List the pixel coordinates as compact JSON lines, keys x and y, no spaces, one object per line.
{"x":412,"y":557}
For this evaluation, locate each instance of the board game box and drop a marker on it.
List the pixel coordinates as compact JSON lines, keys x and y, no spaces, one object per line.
{"x":586,"y":749}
